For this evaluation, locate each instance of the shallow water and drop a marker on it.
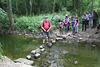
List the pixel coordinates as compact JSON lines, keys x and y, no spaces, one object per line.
{"x":16,"y":47}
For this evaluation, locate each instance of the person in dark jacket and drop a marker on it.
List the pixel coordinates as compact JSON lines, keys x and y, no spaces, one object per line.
{"x":98,"y":27}
{"x":95,"y":18}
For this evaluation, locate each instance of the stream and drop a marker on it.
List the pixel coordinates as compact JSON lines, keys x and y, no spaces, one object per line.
{"x":61,"y":54}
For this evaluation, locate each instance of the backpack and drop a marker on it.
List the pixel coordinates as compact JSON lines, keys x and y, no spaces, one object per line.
{"x":48,"y":22}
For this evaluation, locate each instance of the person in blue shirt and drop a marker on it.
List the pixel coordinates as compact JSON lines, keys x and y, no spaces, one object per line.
{"x":91,"y":19}
{"x":67,"y":25}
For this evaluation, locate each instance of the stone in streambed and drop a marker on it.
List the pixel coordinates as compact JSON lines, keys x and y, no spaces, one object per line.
{"x":49,"y":45}
{"x":33,"y":52}
{"x":41,"y":47}
{"x":42,"y":50}
{"x":53,"y":41}
{"x":23,"y":60}
{"x":65,"y":52}
{"x":76,"y":62}
{"x":38,"y":50}
{"x":37,"y":55}
{"x":58,"y":35}
{"x":64,"y":36}
{"x":28,"y":57}
{"x":58,"y":38}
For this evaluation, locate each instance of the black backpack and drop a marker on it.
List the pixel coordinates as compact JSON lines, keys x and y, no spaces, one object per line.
{"x":48,"y":22}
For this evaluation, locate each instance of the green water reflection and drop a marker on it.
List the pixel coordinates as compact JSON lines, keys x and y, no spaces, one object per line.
{"x":19,"y":47}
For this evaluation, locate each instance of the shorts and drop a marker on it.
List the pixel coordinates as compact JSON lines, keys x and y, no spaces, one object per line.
{"x":46,"y":33}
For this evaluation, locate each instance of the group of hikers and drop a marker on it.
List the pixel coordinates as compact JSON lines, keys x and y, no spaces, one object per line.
{"x":89,"y":20}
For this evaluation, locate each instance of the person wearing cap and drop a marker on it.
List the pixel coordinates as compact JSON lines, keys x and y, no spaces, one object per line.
{"x":60,"y":25}
{"x":46,"y":26}
{"x":67,"y":21}
{"x":95,"y":18}
{"x":91,"y":19}
{"x":77,"y":24}
{"x":87,"y":14}
{"x":84,"y":19}
{"x":73,"y":25}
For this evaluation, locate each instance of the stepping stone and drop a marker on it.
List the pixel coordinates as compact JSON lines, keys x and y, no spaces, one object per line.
{"x":33,"y":52}
{"x":57,"y":39}
{"x":28,"y":57}
{"x":37,"y":55}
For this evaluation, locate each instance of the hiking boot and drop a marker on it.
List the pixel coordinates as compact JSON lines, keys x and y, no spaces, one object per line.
{"x":96,"y":33}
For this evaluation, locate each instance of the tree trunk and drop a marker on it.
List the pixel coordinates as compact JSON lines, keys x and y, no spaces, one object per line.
{"x":30,"y":7}
{"x":53,"y":6}
{"x":9,"y":9}
{"x":26,"y":8}
{"x":92,"y":6}
{"x":73,"y":4}
{"x":16,"y":6}
{"x":38,"y":6}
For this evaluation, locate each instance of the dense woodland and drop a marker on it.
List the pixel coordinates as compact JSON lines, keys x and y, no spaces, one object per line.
{"x":34,"y":7}
{"x":27,"y":15}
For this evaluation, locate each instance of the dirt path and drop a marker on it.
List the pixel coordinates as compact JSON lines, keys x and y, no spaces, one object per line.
{"x":88,"y":35}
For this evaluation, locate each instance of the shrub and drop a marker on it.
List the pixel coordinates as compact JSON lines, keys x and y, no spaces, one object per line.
{"x":4,"y":21}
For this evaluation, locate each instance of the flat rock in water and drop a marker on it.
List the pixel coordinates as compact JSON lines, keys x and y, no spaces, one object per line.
{"x":80,"y":38}
{"x":58,"y":35}
{"x":53,"y":65}
{"x":37,"y":55}
{"x":28,"y":57}
{"x":64,"y":36}
{"x":53,"y":41}
{"x":23,"y":60}
{"x":68,"y":34}
{"x":33,"y":52}
{"x":42,"y":50}
{"x":76,"y":62}
{"x":59,"y":38}
{"x":65,"y":52}
{"x":63,"y":41}
{"x":37,"y":50}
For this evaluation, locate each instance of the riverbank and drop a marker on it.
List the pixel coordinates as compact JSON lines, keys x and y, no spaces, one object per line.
{"x":87,"y":35}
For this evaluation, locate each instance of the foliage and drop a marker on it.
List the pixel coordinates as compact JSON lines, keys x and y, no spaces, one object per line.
{"x":4,"y":22}
{"x":77,"y":7}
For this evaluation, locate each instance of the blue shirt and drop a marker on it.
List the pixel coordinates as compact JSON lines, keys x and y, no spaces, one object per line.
{"x":84,"y":17}
{"x":91,"y":16}
{"x":67,"y":19}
